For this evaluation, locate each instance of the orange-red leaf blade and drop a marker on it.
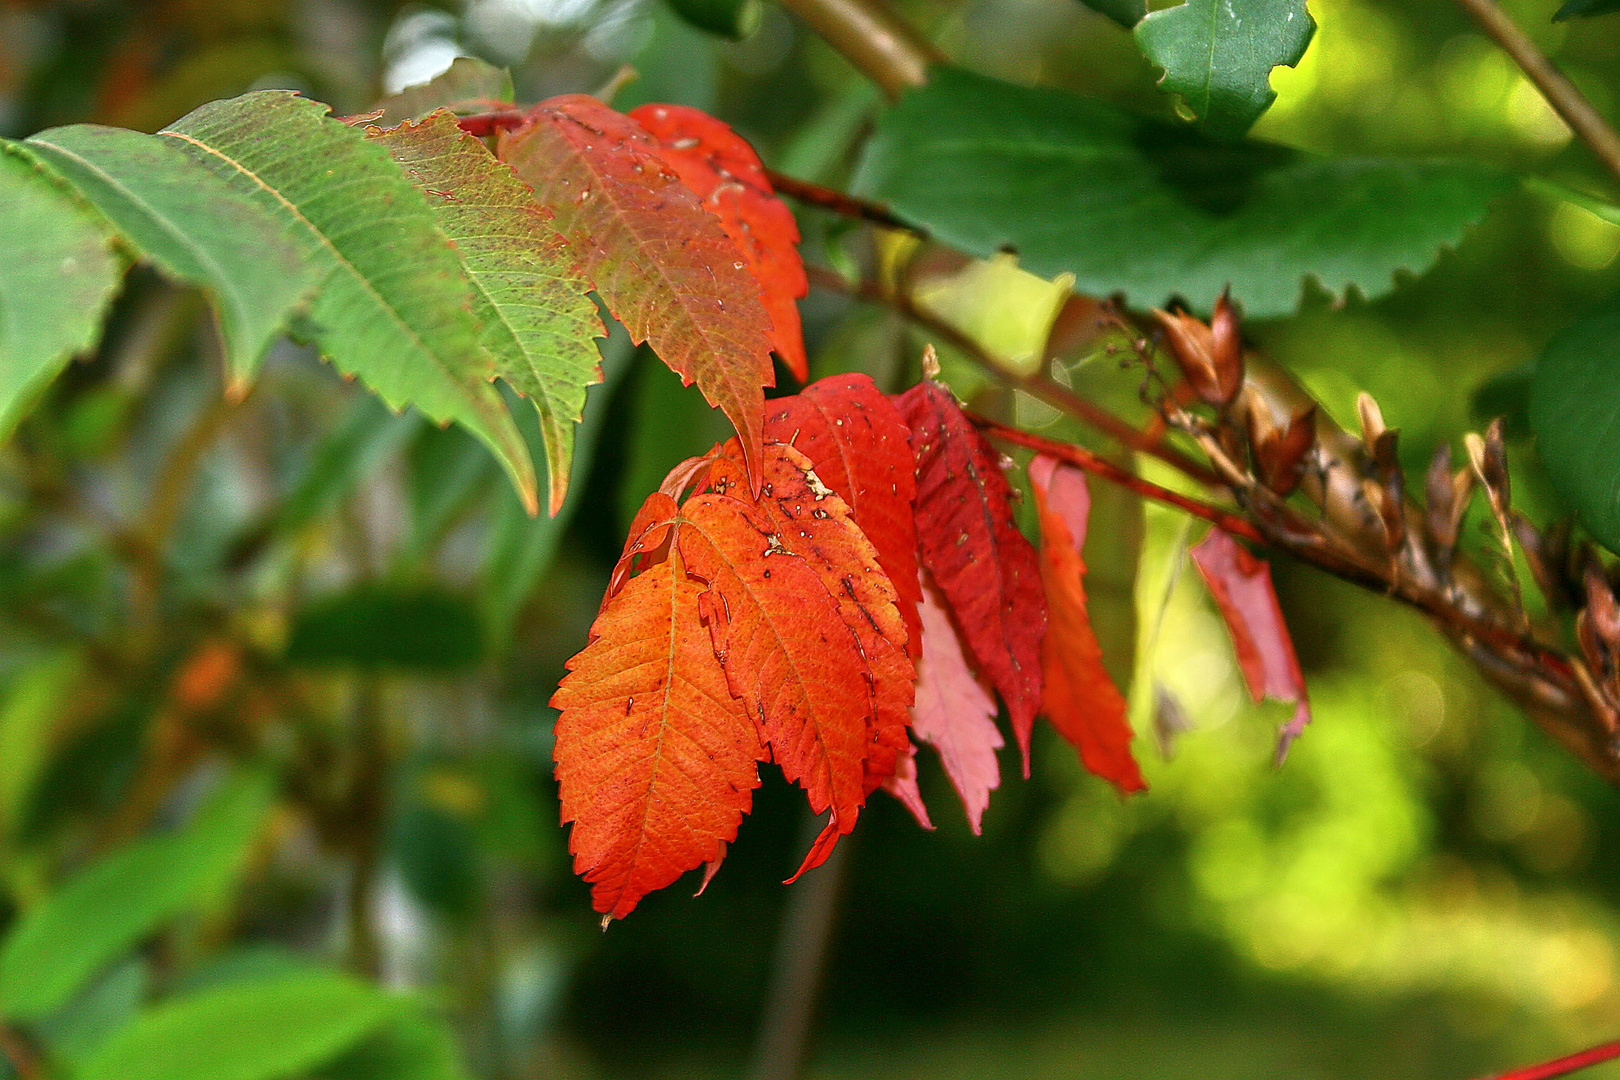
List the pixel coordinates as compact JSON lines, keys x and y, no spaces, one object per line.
{"x":660,"y":261}
{"x":966,"y":538}
{"x":954,"y":711}
{"x":1241,"y":586}
{"x":723,"y":170}
{"x":656,"y":760}
{"x":1080,"y":700}
{"x":860,"y":447}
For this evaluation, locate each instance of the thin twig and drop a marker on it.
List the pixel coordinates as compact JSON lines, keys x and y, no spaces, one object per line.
{"x":1561,"y":94}
{"x":838,"y":202}
{"x":1563,"y":1066}
{"x":879,"y":44}
{"x":1085,"y":459}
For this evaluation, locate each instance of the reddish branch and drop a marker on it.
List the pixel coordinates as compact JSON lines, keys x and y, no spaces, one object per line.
{"x":1563,"y":1066}
{"x":838,"y":202}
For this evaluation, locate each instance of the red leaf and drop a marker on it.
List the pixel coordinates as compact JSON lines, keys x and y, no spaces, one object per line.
{"x":1241,"y":586}
{"x":655,"y":758}
{"x":903,"y":786}
{"x":814,"y":524}
{"x":987,"y":571}
{"x":860,"y":447}
{"x":954,"y":711}
{"x":723,"y":170}
{"x":1081,"y":701}
{"x":661,"y":262}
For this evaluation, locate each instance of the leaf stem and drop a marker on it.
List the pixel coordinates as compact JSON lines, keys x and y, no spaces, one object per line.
{"x":841,"y":203}
{"x":1561,"y":94}
{"x":1563,"y":1066}
{"x":879,"y":44}
{"x":1085,"y":459}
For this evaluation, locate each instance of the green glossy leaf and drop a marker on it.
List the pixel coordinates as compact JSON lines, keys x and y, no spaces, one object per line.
{"x":1217,"y":55}
{"x":192,"y":225}
{"x":1153,"y":209}
{"x":58,"y":276}
{"x":1125,"y":12}
{"x":265,"y":1030}
{"x":122,"y":898}
{"x":1576,"y":9}
{"x":415,"y":629}
{"x":539,"y":324}
{"x":468,"y":85}
{"x":412,"y":1046}
{"x":394,"y":306}
{"x":1575,"y":414}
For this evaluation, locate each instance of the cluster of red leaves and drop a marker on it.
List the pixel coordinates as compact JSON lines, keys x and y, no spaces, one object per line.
{"x":843,"y":576}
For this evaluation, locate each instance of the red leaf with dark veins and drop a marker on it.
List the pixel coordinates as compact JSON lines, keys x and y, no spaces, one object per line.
{"x":988,"y":573}
{"x":954,"y":711}
{"x":860,"y":447}
{"x":659,"y":259}
{"x":1081,"y":700}
{"x":723,"y":170}
{"x":1241,"y":586}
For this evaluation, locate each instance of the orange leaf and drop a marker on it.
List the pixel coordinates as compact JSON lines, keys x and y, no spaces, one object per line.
{"x":966,"y":538}
{"x":723,"y":170}
{"x":812,"y":523}
{"x":860,"y":446}
{"x":1080,"y":699}
{"x":655,"y":758}
{"x":1241,"y":586}
{"x":954,"y":711}
{"x":660,"y":261}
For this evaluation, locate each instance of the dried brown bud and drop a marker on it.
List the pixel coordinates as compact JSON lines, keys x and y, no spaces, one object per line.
{"x":1372,"y":419}
{"x":1541,"y":553}
{"x":1210,"y":356}
{"x":1280,"y":454}
{"x":1447,"y":494}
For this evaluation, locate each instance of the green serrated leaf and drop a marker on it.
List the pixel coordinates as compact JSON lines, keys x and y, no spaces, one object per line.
{"x":1153,"y":209}
{"x":122,"y":898}
{"x":1125,"y":12}
{"x":1575,"y":415}
{"x":394,"y":306}
{"x":468,"y":85}
{"x":58,"y":276}
{"x":191,"y":225}
{"x":266,"y":1030}
{"x":1579,"y":9}
{"x":539,"y":322}
{"x":1218,"y":55}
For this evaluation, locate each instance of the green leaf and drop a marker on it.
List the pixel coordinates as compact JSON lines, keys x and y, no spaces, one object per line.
{"x":539,"y":322}
{"x":32,"y":705}
{"x":734,"y":19}
{"x":1153,"y":209}
{"x":415,"y":629}
{"x":1575,"y":414}
{"x":264,"y":1030}
{"x":394,"y":306}
{"x":1576,"y":9}
{"x":58,"y":276}
{"x":412,"y":1046}
{"x":468,"y":85}
{"x":1507,"y":395}
{"x":191,"y":225}
{"x":1125,"y":12}
{"x":1218,"y":55}
{"x":123,"y":897}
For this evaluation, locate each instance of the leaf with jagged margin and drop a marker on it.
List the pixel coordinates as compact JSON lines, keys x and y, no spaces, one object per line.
{"x":1125,"y":12}
{"x":467,"y":85}
{"x":1154,"y":209}
{"x":192,"y":226}
{"x":1582,"y":9}
{"x":539,"y":321}
{"x":1217,"y":55}
{"x":58,"y":276}
{"x":394,"y":306}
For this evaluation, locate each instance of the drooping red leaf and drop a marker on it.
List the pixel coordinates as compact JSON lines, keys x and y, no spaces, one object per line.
{"x":988,"y":573}
{"x":903,"y":786}
{"x":1241,"y":586}
{"x":660,"y":261}
{"x":860,"y":447}
{"x":723,"y":170}
{"x":1080,"y":699}
{"x":655,"y":758}
{"x":954,"y":711}
{"x":787,"y":652}
{"x":815,"y":525}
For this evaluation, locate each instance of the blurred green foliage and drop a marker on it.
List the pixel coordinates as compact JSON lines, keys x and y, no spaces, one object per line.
{"x":355,"y":599}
